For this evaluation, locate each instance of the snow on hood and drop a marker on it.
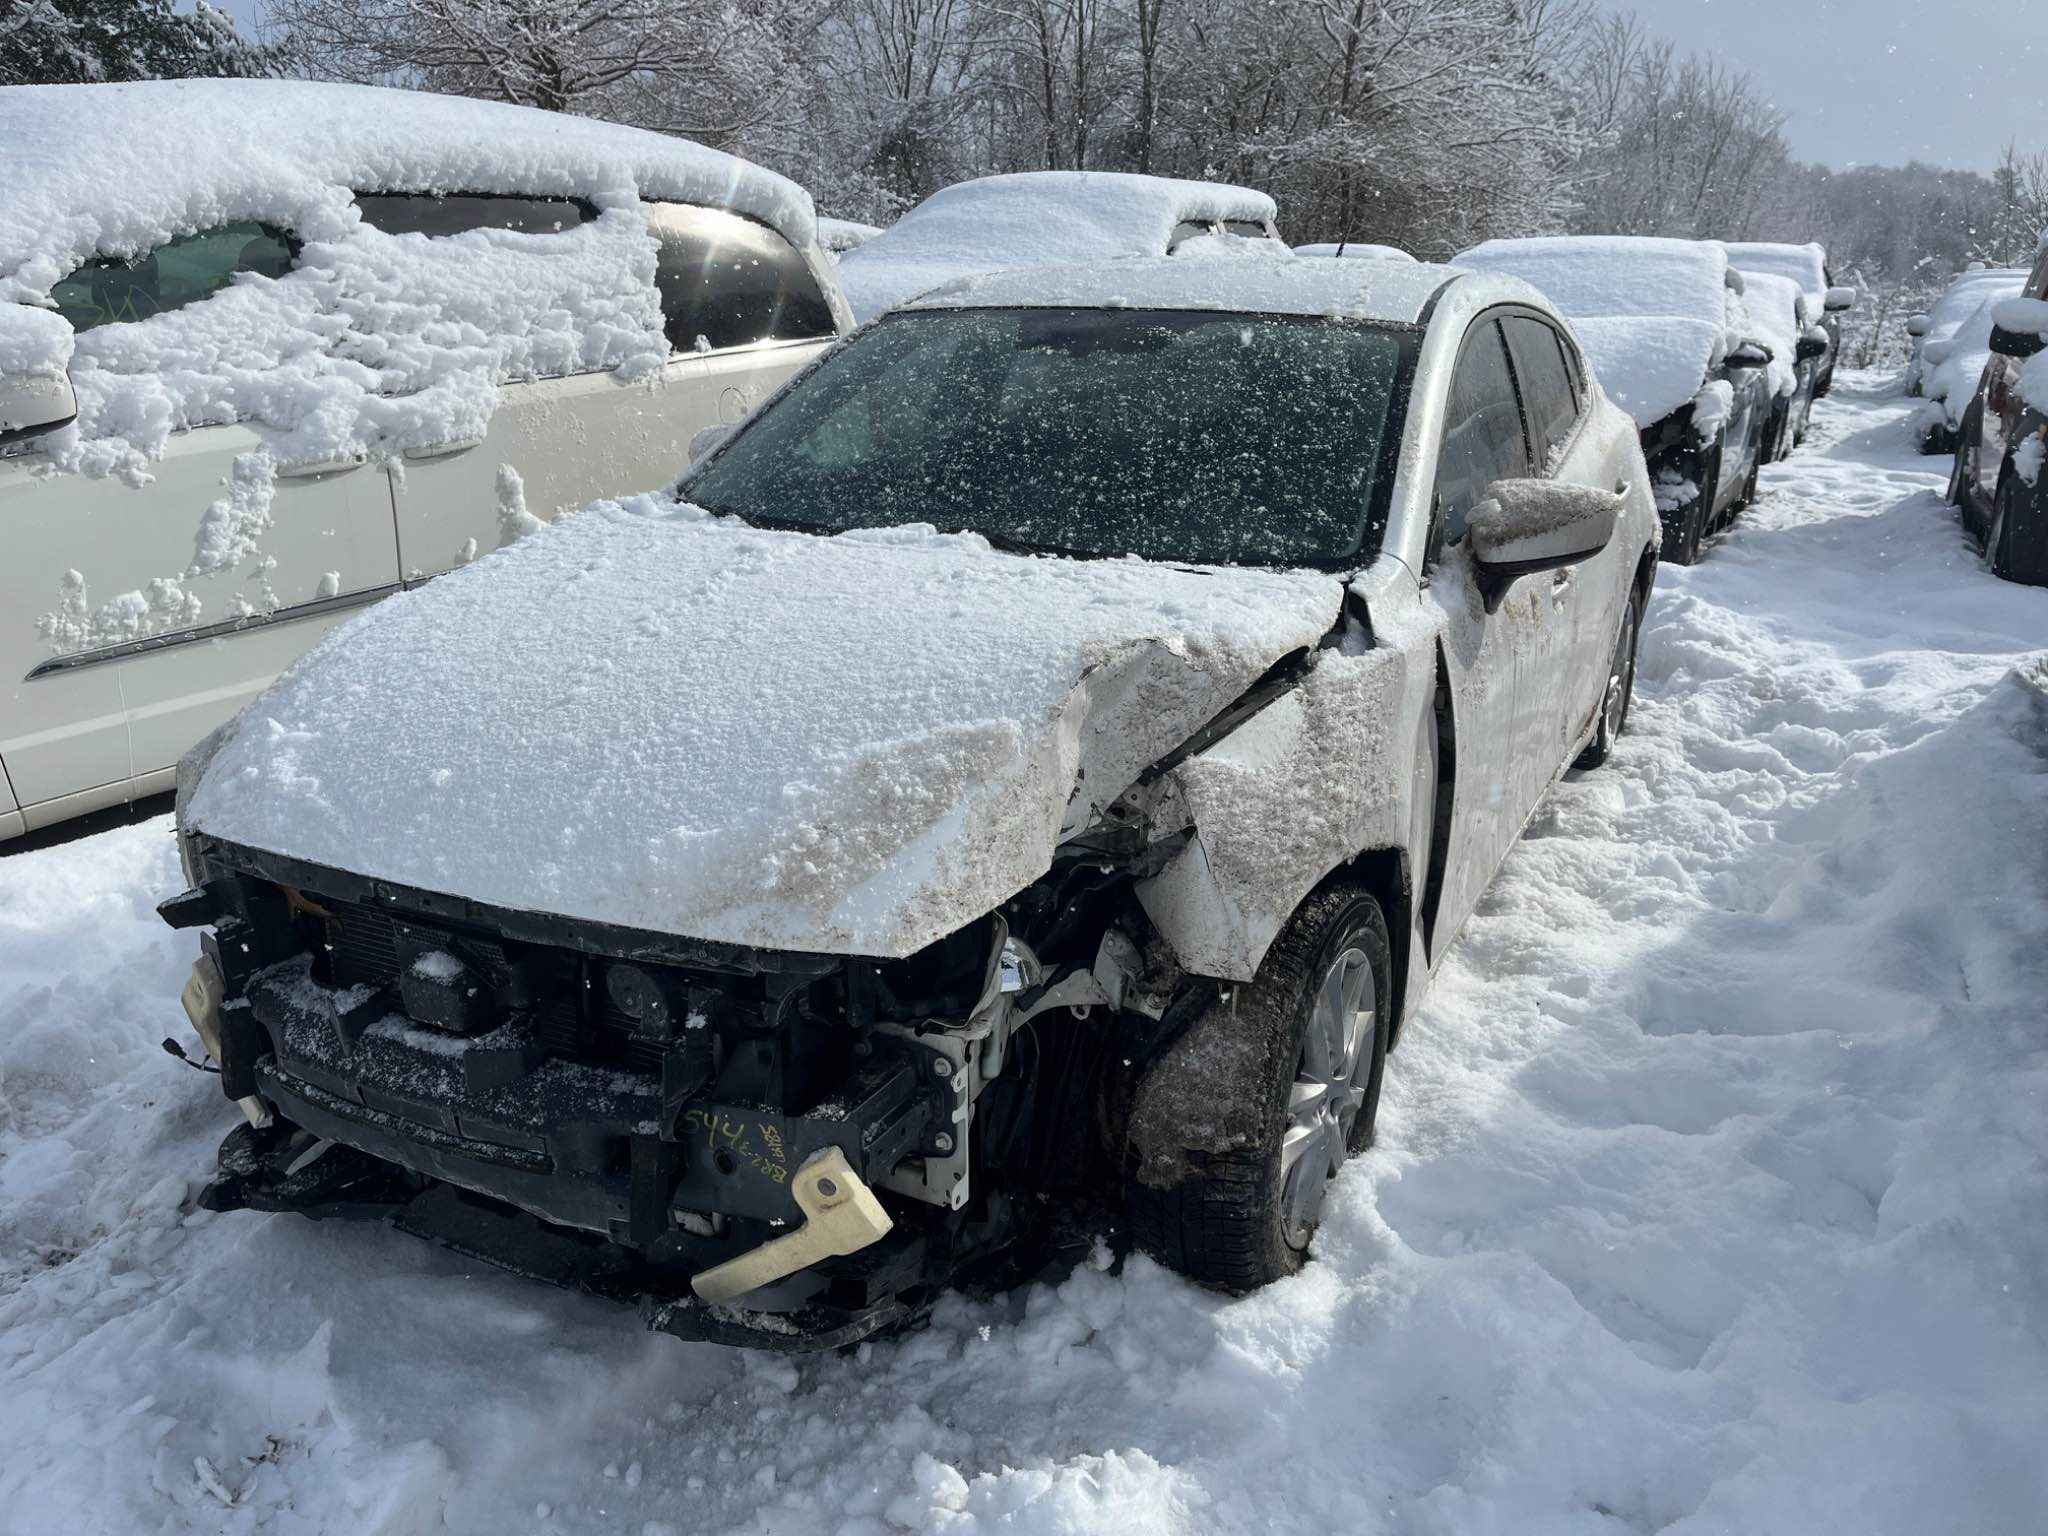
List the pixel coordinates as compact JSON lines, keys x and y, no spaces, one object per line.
{"x":1029,"y":219}
{"x":1651,"y":313}
{"x":1952,"y":365}
{"x":1806,"y":265}
{"x":649,"y":717}
{"x":371,"y":343}
{"x":1362,"y":250}
{"x":1770,"y":309}
{"x":1650,"y":365}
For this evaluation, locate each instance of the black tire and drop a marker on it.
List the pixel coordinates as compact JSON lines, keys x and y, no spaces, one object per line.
{"x":1687,"y":528}
{"x":1749,"y":486}
{"x":2016,"y":542}
{"x":1228,"y":1221}
{"x":1621,"y":690}
{"x":1997,"y":536}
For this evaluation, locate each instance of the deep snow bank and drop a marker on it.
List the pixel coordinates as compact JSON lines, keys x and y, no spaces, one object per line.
{"x":1707,"y":1198}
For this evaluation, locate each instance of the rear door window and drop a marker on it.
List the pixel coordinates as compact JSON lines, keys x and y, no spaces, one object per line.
{"x":1188,"y":229}
{"x":1484,"y":440}
{"x":726,"y":282}
{"x":1250,"y":229}
{"x":1548,"y":394}
{"x":183,"y":271}
{"x":426,"y":213}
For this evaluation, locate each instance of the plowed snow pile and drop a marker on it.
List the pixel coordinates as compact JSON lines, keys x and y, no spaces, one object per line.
{"x":1709,"y":1195}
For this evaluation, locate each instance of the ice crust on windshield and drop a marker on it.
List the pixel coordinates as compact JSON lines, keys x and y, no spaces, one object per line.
{"x":371,"y":342}
{"x":650,"y":717}
{"x":1031,"y":219}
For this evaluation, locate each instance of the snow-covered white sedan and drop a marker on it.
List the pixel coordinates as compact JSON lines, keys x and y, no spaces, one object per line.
{"x":1933,"y":333}
{"x":1664,"y":324}
{"x":271,"y":350}
{"x":1039,"y":759}
{"x":1035,"y":218}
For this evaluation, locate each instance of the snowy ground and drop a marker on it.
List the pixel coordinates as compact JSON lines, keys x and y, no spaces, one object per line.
{"x":1710,"y":1194}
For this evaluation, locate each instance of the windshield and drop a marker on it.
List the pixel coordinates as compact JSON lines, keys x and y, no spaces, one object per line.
{"x":1179,"y":436}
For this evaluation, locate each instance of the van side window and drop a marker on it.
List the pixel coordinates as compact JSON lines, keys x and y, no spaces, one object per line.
{"x":183,"y":271}
{"x":1484,"y":440}
{"x":1548,"y":395}
{"x":428,"y":213}
{"x":726,"y":281}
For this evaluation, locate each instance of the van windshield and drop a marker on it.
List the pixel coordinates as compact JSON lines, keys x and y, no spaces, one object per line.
{"x":1182,"y":436}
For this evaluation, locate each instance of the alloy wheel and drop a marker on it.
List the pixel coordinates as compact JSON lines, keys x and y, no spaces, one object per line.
{"x":1323,"y":1104}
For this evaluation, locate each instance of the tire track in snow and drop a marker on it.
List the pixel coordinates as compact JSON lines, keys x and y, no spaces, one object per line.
{"x":1707,"y":1195}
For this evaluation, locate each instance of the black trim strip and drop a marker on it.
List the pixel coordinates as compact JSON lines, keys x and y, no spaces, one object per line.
{"x":319,"y":607}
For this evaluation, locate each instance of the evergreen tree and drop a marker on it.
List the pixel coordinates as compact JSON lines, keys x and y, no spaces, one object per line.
{"x":65,"y":42}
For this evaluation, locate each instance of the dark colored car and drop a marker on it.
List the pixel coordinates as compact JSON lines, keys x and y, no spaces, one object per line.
{"x":1663,"y":322}
{"x":1997,"y":482}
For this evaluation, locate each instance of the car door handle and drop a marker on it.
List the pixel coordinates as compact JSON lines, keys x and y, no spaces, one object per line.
{"x":443,"y":450}
{"x":306,"y":469}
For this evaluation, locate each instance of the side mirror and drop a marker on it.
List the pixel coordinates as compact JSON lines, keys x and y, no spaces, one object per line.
{"x":1749,"y":355}
{"x":707,"y":441}
{"x":1916,"y":326}
{"x":1526,"y":526}
{"x":2010,"y":343}
{"x":1811,"y":347}
{"x":1838,"y":299}
{"x":32,"y":405}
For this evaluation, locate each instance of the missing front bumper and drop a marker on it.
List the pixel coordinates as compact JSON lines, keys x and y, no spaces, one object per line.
{"x":283,"y":1169}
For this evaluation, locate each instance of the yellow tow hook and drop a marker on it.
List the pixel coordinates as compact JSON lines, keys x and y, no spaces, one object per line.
{"x":841,"y":1215}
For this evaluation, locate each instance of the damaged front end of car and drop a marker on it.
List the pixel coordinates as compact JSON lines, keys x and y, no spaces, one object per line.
{"x":786,"y":1150}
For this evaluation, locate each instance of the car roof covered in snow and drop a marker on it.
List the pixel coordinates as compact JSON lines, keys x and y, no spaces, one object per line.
{"x":1651,"y":313}
{"x":114,"y":169}
{"x":1966,"y":293}
{"x":1031,"y":218}
{"x":1806,"y":265}
{"x":1270,"y":285}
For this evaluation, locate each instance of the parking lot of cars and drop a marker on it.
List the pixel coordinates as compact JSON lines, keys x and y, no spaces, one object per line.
{"x":1034,"y":758}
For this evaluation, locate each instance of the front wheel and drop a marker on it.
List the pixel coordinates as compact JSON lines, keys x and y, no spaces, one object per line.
{"x":1621,"y":688}
{"x":1322,"y":1001}
{"x":1685,"y":527}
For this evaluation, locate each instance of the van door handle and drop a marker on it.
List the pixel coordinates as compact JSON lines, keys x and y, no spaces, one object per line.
{"x":443,"y":450}
{"x":307,"y":469}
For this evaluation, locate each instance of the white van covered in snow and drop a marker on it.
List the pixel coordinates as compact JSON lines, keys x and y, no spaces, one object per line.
{"x":272,"y":350}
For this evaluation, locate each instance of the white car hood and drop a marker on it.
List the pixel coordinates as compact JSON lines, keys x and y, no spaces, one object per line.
{"x":649,"y":717}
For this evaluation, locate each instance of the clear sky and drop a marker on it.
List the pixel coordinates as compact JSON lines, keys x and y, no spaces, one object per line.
{"x":1864,"y":81}
{"x":1883,"y":81}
